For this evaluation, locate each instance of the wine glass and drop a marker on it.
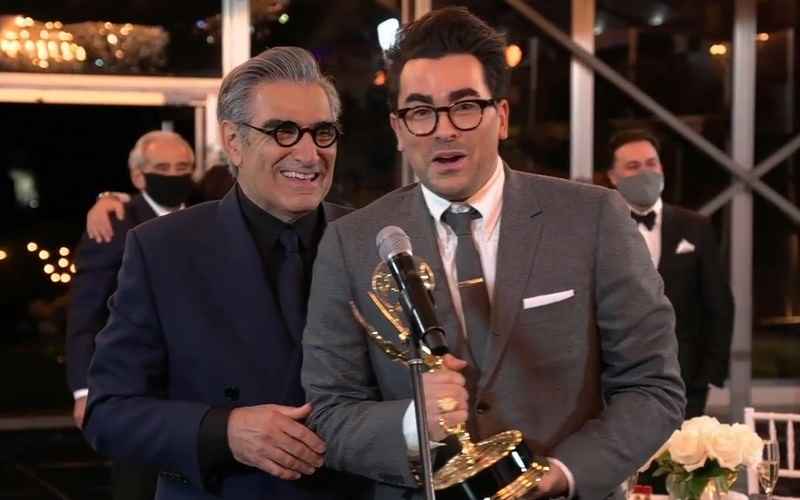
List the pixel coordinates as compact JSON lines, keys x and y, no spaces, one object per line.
{"x":768,"y":467}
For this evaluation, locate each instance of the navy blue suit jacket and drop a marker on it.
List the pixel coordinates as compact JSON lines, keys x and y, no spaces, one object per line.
{"x":696,"y":284}
{"x":193,"y":325}
{"x":95,"y":281}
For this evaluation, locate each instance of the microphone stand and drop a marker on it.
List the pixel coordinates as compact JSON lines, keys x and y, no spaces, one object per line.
{"x":417,"y":367}
{"x":421,"y":334}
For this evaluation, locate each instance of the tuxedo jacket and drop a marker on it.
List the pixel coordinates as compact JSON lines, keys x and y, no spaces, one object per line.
{"x":582,"y":356}
{"x":97,"y":265}
{"x":695,"y":283}
{"x":193,"y":325}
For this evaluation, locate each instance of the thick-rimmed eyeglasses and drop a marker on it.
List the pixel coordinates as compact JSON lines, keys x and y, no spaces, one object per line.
{"x":287,"y":134}
{"x":464,"y":115}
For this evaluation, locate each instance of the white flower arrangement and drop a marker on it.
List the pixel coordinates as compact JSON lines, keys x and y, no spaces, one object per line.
{"x":703,"y":450}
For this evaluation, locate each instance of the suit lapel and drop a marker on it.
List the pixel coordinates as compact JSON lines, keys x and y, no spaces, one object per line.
{"x":239,"y":282}
{"x":416,"y":220}
{"x":520,"y":233}
{"x":331,"y":211}
{"x":669,"y":239}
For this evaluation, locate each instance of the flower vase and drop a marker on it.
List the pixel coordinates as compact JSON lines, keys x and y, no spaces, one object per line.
{"x":679,"y":487}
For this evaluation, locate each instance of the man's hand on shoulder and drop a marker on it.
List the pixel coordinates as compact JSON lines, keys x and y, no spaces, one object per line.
{"x":274,"y":439}
{"x":98,"y":219}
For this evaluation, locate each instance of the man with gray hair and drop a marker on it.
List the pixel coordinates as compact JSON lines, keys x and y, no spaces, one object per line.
{"x":160,"y":165}
{"x":198,"y":368}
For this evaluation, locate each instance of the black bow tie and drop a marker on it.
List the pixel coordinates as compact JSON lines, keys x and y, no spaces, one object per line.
{"x":648,"y":219}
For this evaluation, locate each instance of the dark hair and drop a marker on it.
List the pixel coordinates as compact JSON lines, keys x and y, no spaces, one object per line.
{"x":624,"y":137}
{"x":442,"y":32}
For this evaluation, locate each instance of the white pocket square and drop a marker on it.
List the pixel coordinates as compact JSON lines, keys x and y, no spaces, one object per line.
{"x":543,"y":300}
{"x":684,"y":247}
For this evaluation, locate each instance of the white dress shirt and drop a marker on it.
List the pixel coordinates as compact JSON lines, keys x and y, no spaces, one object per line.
{"x":159,"y":211}
{"x":488,"y":201}
{"x":652,"y":237}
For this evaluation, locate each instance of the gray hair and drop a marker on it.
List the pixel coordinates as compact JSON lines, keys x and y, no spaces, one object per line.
{"x":288,"y":64}
{"x":137,"y":157}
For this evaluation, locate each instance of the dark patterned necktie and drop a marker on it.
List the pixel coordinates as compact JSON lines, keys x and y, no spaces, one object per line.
{"x":291,"y":284}
{"x":648,"y":219}
{"x":471,"y":284}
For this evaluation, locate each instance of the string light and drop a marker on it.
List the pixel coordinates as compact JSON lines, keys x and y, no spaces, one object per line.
{"x":27,"y":45}
{"x":3,"y":255}
{"x":49,"y":269}
{"x":32,"y":246}
{"x":513,"y":55}
{"x":718,"y":49}
{"x":44,"y":254}
{"x":62,"y":262}
{"x":63,"y":251}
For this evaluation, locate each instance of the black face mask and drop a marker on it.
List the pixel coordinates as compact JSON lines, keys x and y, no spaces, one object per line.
{"x":168,"y":190}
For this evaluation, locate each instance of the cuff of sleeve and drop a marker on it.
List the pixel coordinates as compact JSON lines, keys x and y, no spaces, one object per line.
{"x":214,"y":451}
{"x":80,"y":393}
{"x":570,"y":478}
{"x":410,"y":432}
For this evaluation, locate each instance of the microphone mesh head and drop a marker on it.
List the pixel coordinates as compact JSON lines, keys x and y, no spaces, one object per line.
{"x":391,"y":241}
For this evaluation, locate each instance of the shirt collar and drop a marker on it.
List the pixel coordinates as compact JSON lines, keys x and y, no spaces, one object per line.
{"x":267,"y":228}
{"x":159,"y":209}
{"x":488,"y":200}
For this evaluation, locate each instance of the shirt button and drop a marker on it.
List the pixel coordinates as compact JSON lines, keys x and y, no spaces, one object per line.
{"x":232,"y":393}
{"x":482,"y":407}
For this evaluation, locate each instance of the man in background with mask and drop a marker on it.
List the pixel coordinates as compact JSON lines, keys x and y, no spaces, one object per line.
{"x":161,"y":164}
{"x":683,"y":247}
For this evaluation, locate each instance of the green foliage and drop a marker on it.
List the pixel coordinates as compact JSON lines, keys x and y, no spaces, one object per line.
{"x":690,"y":485}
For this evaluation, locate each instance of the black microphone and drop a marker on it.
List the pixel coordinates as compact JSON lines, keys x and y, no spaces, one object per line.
{"x":394,"y":247}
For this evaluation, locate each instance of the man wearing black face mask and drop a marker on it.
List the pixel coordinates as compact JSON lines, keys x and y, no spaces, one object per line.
{"x":683,"y":247}
{"x":161,"y":165}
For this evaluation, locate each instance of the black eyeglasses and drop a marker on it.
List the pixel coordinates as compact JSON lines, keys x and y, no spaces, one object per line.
{"x":464,"y":115}
{"x":287,"y":134}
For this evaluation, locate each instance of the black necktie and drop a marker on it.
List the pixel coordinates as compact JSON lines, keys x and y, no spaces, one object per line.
{"x":471,"y":284}
{"x":291,"y":284}
{"x":648,"y":219}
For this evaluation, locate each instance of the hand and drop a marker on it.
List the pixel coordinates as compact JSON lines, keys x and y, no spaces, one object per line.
{"x":554,"y":484}
{"x":440,"y":385}
{"x":273,"y":439}
{"x":98,"y":220}
{"x":78,"y":411}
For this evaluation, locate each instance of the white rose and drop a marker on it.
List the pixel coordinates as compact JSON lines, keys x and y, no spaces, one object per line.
{"x":725,"y":445}
{"x":703,"y":425}
{"x":687,"y":448}
{"x":750,"y":443}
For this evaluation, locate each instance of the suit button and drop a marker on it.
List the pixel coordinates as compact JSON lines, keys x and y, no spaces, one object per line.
{"x":482,"y":407}
{"x":232,"y":393}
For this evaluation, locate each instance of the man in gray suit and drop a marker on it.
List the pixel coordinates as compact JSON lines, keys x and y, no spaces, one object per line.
{"x":552,"y":307}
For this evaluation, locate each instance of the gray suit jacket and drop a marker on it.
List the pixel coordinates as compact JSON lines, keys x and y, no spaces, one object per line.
{"x":592,"y":380}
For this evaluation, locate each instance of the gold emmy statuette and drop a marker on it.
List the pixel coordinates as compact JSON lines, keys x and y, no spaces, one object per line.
{"x":498,"y":468}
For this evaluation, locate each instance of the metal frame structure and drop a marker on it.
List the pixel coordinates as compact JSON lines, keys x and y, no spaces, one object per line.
{"x":741,"y":244}
{"x":582,"y":94}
